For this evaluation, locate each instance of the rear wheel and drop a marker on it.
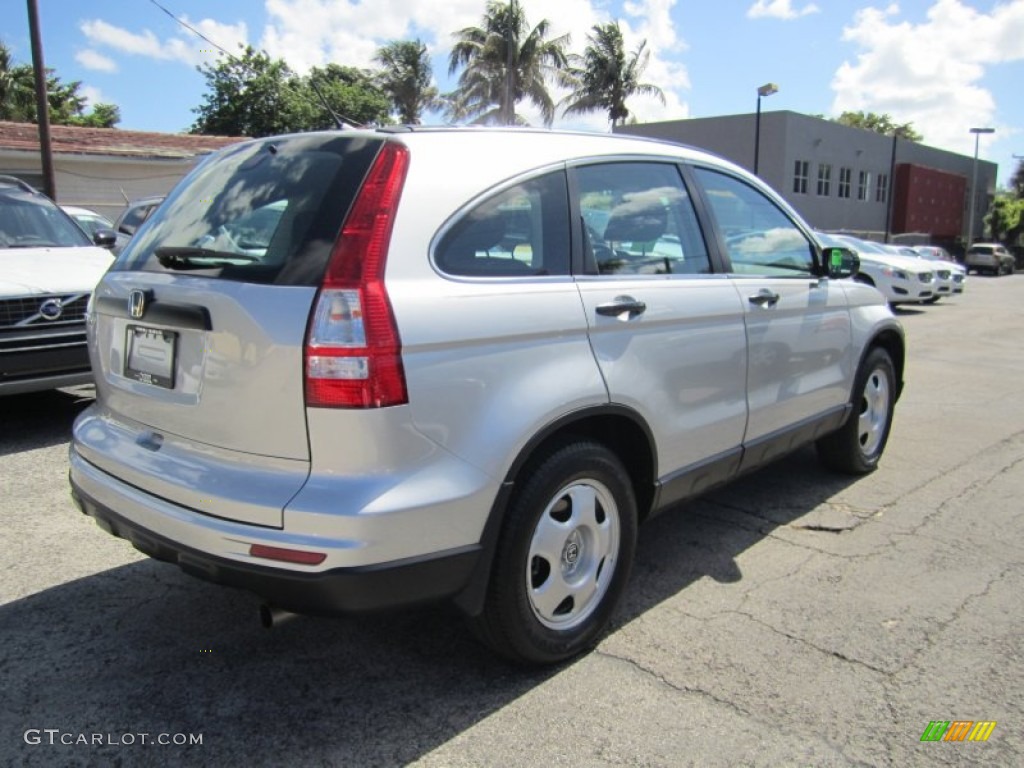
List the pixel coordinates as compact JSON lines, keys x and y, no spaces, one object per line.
{"x":857,"y":446}
{"x":563,"y":558}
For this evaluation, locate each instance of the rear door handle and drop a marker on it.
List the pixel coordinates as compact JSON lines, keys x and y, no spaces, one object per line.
{"x":622,"y":307}
{"x":764,"y":298}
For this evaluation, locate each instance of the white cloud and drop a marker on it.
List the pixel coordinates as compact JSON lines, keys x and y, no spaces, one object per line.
{"x":91,"y":59}
{"x":92,"y":95}
{"x":186,"y":48}
{"x":930,"y":73}
{"x":779,"y":9}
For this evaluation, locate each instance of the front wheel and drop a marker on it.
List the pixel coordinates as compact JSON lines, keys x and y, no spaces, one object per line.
{"x":856,"y":447}
{"x":563,"y":558}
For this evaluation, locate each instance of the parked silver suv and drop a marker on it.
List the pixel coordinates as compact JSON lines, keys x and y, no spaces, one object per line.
{"x":363,"y":369}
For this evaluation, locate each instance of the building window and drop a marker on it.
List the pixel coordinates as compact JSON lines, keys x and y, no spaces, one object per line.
{"x":845,"y":181}
{"x":824,"y":179}
{"x":800,"y":173}
{"x":863,"y":181}
{"x":882,"y":188}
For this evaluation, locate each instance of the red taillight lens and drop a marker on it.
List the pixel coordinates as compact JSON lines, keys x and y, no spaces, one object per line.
{"x":353,"y":351}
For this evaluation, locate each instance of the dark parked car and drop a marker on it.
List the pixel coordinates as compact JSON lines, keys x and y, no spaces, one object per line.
{"x":132,"y":217}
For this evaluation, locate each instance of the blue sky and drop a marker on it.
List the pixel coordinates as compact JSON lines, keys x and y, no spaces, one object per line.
{"x":945,"y":65}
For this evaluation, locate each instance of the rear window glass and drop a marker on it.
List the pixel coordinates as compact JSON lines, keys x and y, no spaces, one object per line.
{"x":519,"y":232}
{"x":262,"y":212}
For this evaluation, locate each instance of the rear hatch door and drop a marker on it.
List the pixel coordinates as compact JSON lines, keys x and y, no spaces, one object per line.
{"x":199,"y":327}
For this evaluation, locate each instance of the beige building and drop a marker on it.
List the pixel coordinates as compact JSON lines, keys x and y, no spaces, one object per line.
{"x":101,"y":168}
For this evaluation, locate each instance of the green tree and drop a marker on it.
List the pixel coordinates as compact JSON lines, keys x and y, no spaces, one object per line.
{"x":605,"y":75}
{"x":101,"y":116}
{"x":66,"y":104}
{"x":352,"y":94}
{"x":504,"y":62}
{"x":1005,"y":218}
{"x":1017,"y":180}
{"x":254,"y":95}
{"x":406,"y":77}
{"x":247,"y":95}
{"x":883,"y":124}
{"x":17,"y":89}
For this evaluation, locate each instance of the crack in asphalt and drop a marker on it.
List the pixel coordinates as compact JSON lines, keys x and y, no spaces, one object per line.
{"x":804,"y":641}
{"x":772,"y":724}
{"x":931,"y":637}
{"x":664,"y":681}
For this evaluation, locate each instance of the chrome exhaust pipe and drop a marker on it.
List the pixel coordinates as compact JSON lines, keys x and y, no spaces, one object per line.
{"x":271,"y":616}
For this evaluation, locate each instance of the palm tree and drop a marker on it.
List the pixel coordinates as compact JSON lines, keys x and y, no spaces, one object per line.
{"x":505,"y":62}
{"x":17,"y":89}
{"x":406,"y":78}
{"x":605,"y":76}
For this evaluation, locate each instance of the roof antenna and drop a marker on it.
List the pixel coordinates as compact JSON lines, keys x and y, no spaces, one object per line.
{"x":341,"y":124}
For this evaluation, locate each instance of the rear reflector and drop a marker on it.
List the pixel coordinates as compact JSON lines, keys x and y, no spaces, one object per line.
{"x":353,"y":351}
{"x":280,"y":554}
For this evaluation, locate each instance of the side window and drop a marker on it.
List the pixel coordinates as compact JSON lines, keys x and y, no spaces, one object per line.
{"x":638,"y":219}
{"x":134,"y":218}
{"x":523,"y":230}
{"x":759,"y":238}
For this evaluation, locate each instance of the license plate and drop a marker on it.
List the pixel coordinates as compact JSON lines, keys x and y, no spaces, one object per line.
{"x":149,"y":355}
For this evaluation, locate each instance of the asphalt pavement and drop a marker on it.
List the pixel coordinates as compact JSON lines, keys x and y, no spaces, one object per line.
{"x":795,"y":617}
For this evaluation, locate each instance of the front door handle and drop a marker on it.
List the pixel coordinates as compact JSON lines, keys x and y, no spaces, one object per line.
{"x":764,"y":298}
{"x":622,"y":307}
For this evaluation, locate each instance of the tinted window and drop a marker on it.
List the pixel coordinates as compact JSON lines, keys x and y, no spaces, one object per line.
{"x":638,"y":220}
{"x":759,"y":238}
{"x":133,"y":217}
{"x":523,"y":230}
{"x":264,"y":212}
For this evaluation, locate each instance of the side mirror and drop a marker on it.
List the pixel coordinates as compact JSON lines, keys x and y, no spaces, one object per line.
{"x":840,"y":262}
{"x":104,"y":238}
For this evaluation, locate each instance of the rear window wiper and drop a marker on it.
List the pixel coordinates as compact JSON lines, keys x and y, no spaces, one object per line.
{"x":193,"y":257}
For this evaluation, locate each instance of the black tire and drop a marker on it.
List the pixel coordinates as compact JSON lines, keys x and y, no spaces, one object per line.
{"x":932,"y":300}
{"x":857,"y":446}
{"x":570,"y":528}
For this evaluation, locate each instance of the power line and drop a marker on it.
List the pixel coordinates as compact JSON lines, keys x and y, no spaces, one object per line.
{"x":192,"y":29}
{"x":338,"y":119}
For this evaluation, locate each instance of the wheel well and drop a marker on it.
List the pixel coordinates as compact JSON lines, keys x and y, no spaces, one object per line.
{"x":892,"y":343}
{"x":622,"y":431}
{"x":622,"y":435}
{"x":860,"y":277}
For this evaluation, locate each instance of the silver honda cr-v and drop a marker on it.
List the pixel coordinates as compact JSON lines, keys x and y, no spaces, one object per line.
{"x":364,"y":369}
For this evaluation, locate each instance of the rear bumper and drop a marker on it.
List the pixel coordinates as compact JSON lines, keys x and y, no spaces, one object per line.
{"x":395,"y":584}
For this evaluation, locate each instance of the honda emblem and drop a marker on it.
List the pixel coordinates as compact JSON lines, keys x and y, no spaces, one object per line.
{"x":137,"y":304}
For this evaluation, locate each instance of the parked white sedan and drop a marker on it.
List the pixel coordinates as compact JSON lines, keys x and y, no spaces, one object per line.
{"x":901,"y":279}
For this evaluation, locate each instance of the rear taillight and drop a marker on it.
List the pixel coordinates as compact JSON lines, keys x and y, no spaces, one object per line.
{"x":353,"y":351}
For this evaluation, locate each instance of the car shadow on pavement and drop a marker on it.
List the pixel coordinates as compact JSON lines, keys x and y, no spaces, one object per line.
{"x":143,"y":648}
{"x":41,"y":419}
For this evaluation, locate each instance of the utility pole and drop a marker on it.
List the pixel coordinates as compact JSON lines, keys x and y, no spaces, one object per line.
{"x":42,"y":103}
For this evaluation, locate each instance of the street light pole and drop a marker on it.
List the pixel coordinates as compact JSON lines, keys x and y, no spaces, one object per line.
{"x":974,"y":182}
{"x":765,"y":90}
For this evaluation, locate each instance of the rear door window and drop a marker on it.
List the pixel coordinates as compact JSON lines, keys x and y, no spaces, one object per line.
{"x":267,"y":211}
{"x":639,"y":220}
